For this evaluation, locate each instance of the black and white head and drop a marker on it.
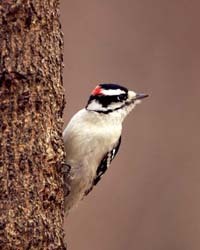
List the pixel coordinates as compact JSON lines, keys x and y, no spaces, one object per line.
{"x":113,"y":98}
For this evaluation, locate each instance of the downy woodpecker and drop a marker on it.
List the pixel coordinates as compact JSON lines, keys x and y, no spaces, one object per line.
{"x":92,"y":138}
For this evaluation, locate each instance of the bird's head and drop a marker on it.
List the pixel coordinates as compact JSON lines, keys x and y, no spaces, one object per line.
{"x":113,"y":98}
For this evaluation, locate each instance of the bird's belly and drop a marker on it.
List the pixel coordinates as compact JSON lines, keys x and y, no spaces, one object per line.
{"x":85,"y":160}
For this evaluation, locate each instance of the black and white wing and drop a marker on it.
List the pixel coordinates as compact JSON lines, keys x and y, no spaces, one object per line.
{"x":104,"y":164}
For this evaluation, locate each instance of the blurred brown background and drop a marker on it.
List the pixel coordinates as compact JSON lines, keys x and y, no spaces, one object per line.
{"x":150,"y":197}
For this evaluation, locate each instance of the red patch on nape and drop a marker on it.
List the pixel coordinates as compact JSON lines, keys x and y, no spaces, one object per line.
{"x":97,"y":91}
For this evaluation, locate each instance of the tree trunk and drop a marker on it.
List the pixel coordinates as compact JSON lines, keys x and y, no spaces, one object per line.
{"x":31,"y":107}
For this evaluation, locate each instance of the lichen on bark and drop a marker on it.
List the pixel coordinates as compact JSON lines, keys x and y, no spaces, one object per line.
{"x":31,"y":108}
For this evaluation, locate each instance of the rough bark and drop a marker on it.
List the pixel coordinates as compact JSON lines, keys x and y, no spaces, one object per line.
{"x":31,"y":107}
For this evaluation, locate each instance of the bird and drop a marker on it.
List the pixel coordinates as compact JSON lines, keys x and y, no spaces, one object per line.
{"x":92,"y":139}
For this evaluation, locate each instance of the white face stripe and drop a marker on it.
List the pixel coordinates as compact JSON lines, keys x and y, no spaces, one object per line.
{"x":112,"y":92}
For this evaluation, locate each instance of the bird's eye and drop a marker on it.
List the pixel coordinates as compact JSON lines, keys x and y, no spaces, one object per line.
{"x":121,"y":97}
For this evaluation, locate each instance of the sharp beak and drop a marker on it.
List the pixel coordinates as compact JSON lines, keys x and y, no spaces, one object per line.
{"x":140,"y":96}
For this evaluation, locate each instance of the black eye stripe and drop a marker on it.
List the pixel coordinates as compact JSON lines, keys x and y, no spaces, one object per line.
{"x":105,"y":101}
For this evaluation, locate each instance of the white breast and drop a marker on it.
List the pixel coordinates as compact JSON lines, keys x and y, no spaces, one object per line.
{"x":88,"y":137}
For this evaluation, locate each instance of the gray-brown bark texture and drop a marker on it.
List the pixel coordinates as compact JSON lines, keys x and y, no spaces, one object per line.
{"x":31,"y":107}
